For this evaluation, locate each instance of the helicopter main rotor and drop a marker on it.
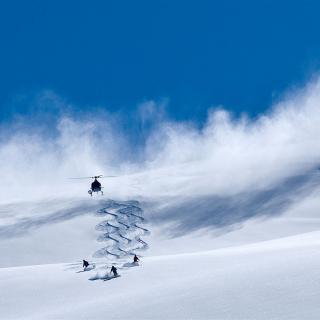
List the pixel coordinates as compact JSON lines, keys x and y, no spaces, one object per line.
{"x":95,"y":177}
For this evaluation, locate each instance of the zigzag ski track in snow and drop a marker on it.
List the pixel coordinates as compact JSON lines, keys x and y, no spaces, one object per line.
{"x":121,"y":230}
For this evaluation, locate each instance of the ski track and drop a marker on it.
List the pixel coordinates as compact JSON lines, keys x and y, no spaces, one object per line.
{"x":121,"y":230}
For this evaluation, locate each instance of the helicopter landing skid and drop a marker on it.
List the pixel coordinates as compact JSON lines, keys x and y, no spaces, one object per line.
{"x":91,"y":192}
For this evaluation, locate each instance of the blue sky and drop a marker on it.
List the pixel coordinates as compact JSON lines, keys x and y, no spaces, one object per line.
{"x":196,"y":54}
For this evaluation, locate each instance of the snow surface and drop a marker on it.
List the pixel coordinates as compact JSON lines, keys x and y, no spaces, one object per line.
{"x":277,"y":279}
{"x":232,"y":207}
{"x":265,"y":269}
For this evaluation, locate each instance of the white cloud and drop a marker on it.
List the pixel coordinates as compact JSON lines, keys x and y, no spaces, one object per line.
{"x":227,"y":156}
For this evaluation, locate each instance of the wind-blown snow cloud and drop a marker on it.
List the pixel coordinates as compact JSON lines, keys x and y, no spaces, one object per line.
{"x":228,"y":156}
{"x":249,"y":166}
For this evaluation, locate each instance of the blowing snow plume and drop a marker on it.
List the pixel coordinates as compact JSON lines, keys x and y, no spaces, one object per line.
{"x":237,"y":168}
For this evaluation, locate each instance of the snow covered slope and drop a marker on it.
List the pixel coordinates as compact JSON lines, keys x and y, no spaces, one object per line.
{"x":232,"y":206}
{"x":275,"y":279}
{"x":261,"y":269}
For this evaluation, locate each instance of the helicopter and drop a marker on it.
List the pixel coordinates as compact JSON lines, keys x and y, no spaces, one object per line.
{"x":95,"y":185}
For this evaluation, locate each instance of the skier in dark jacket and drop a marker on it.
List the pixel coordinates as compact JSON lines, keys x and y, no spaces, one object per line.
{"x":85,"y":264}
{"x":135,"y":259}
{"x":114,"y":270}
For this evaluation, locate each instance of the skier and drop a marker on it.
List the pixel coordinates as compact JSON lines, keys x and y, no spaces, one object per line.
{"x":135,"y":259}
{"x":85,"y":264}
{"x":114,"y":270}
